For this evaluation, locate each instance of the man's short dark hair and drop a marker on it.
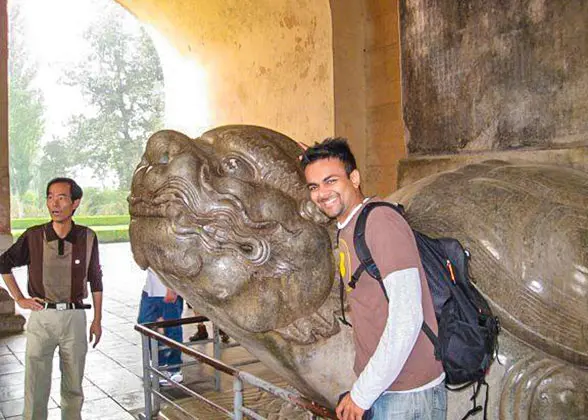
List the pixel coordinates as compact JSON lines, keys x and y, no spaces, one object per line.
{"x":330,"y":148}
{"x":75,"y":190}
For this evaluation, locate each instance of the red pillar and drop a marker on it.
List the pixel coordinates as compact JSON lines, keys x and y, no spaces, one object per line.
{"x":5,"y":237}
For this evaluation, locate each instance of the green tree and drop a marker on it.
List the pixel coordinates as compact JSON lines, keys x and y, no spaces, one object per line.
{"x":122,"y":82}
{"x":103,"y":202}
{"x":26,"y":108}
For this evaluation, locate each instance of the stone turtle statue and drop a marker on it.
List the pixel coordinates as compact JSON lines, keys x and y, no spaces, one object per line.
{"x":225,"y":220}
{"x":526,"y":227}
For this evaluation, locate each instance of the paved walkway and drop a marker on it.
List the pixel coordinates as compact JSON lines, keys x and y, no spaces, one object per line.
{"x":112,"y":380}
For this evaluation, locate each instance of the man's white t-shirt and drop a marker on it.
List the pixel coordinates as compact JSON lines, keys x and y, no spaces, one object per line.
{"x":153,"y":286}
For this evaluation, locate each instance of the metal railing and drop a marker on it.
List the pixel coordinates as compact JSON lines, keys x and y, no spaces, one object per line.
{"x":152,"y":373}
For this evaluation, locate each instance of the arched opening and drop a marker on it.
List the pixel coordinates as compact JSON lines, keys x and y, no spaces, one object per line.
{"x":308,"y":71}
{"x":85,"y":92}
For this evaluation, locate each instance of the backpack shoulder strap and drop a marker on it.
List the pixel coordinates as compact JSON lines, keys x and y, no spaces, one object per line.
{"x":368,"y":264}
{"x":364,"y":255}
{"x":343,"y":319}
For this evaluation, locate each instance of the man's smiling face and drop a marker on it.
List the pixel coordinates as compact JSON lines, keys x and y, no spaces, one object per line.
{"x":335,"y":192}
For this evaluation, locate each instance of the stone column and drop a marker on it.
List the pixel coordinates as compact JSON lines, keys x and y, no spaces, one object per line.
{"x":9,"y":321}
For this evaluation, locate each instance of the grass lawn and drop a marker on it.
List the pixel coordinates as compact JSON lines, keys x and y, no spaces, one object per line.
{"x":105,"y":230}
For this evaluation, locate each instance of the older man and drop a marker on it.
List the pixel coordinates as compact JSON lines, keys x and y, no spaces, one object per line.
{"x":62,"y":258}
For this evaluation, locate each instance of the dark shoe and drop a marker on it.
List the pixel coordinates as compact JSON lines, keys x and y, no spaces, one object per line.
{"x":224,"y":336}
{"x":201,"y":334}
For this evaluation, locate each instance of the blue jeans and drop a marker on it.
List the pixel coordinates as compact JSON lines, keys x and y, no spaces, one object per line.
{"x":430,"y":404}
{"x":150,"y":310}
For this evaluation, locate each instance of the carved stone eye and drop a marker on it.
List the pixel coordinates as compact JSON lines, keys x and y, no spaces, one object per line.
{"x":237,"y":167}
{"x":164,"y":158}
{"x":232,"y":164}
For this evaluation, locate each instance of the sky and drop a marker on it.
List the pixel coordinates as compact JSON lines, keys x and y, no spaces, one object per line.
{"x":55,"y":39}
{"x":54,"y":35}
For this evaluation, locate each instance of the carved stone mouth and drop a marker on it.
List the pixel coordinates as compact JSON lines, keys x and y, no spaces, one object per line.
{"x":213,"y":232}
{"x":159,"y":206}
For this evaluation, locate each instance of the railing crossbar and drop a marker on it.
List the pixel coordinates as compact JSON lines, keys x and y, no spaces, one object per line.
{"x":190,"y":391}
{"x":149,"y":330}
{"x":250,"y":413}
{"x":173,"y":403}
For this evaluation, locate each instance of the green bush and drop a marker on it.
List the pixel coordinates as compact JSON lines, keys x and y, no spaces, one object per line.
{"x":96,"y":201}
{"x":114,"y":235}
{"x":108,"y":228}
{"x":105,"y":235}
{"x":82,"y":220}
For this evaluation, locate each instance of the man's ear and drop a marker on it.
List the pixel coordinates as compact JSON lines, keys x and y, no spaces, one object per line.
{"x":355,"y":178}
{"x":76,"y":203}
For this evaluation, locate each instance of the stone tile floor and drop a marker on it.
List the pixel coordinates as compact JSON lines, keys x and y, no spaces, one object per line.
{"x":112,"y":381}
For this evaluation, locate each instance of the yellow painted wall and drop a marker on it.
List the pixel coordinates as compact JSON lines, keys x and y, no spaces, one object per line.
{"x":385,"y":140}
{"x":368,"y":88}
{"x":264,"y":62}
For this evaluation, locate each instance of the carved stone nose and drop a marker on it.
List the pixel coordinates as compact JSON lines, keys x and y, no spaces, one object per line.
{"x":164,"y":145}
{"x":161,"y":149}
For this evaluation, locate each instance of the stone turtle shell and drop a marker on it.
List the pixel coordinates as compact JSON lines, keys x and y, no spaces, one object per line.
{"x":526,"y":226}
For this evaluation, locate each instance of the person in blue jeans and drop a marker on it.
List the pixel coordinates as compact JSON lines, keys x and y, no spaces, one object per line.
{"x":157,"y":301}
{"x":398,"y":377}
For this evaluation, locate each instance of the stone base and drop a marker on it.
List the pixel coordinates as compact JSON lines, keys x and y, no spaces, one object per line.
{"x":5,"y":242}
{"x":11,"y":324}
{"x":414,"y":168}
{"x":6,"y":303}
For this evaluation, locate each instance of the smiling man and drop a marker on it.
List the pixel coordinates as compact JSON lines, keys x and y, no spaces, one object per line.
{"x":62,"y":258}
{"x":398,"y":376}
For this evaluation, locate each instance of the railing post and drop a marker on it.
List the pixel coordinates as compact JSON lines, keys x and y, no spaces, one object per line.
{"x":151,"y":342}
{"x":237,"y":399}
{"x":154,"y":377}
{"x":216,"y":351}
{"x":146,"y":377}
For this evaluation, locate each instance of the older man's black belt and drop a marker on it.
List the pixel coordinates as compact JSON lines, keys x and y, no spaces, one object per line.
{"x":62,"y":306}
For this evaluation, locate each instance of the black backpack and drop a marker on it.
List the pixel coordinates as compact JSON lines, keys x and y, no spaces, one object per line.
{"x":467,"y":340}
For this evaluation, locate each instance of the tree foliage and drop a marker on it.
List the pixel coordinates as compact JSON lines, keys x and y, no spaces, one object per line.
{"x":25,"y":107}
{"x":122,"y":83}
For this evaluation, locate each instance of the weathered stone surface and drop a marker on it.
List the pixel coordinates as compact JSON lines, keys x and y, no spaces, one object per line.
{"x":4,"y":204}
{"x":525,"y":226}
{"x":226,"y":221}
{"x":494,"y":76}
{"x":10,"y":322}
{"x":417,"y":167}
{"x":6,"y":303}
{"x":5,"y":241}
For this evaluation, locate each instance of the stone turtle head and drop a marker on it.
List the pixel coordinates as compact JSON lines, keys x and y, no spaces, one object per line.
{"x":225,"y":219}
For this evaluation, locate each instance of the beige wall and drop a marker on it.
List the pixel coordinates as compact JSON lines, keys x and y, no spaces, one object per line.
{"x":260,"y":62}
{"x":368,"y":100}
{"x":307,"y":68}
{"x":349,"y":28}
{"x":385,"y":144}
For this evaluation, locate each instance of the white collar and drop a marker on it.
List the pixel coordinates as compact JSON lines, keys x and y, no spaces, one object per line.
{"x":355,"y":210}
